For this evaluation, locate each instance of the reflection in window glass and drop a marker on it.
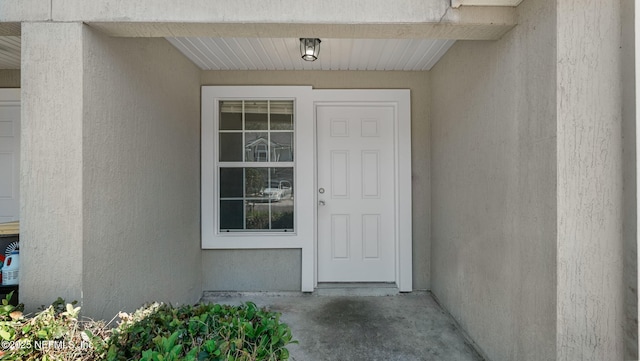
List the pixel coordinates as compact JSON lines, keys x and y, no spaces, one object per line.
{"x":256,"y":115}
{"x":265,"y":203}
{"x":282,"y":147}
{"x":254,"y":195}
{"x":256,"y":147}
{"x":231,"y":115}
{"x":254,"y":182}
{"x":281,"y":115}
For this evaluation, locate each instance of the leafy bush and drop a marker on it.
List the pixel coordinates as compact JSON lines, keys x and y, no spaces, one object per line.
{"x":161,"y":332}
{"x":157,"y":332}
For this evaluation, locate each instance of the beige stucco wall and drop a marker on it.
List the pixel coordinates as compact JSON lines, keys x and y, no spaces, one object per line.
{"x":528,"y":186}
{"x":418,"y":82}
{"x":51,"y":210}
{"x":493,"y":173}
{"x":111,"y":171}
{"x":590,"y":290}
{"x":9,"y":78}
{"x":252,"y":270}
{"x":630,"y":171}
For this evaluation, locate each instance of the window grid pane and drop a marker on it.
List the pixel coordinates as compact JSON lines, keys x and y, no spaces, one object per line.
{"x":265,"y":129}
{"x":266,"y":202}
{"x":255,"y":194}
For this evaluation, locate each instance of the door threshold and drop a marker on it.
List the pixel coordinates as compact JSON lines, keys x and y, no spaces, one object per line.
{"x":356,"y":289}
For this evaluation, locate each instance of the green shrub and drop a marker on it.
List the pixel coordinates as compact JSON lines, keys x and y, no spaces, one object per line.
{"x":157,"y":332}
{"x":161,"y":332}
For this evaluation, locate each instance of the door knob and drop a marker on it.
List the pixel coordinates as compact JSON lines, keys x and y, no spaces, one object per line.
{"x":321,"y":190}
{"x":321,"y":203}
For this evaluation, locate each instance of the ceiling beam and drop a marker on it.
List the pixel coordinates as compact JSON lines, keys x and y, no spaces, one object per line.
{"x":466,"y":23}
{"x":283,"y":18}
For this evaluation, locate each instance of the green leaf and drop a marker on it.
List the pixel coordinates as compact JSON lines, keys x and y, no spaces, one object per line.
{"x":26,"y":328}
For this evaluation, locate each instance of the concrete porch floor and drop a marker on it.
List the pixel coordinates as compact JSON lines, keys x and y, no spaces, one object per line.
{"x":401,"y":327}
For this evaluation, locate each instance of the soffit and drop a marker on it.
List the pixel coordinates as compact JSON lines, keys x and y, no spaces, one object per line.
{"x":335,"y":54}
{"x":10,"y":52}
{"x":284,"y":54}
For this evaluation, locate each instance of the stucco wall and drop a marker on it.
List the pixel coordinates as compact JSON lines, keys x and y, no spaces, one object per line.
{"x":110,"y":171}
{"x":418,"y":82}
{"x":590,"y":289}
{"x":271,"y":270}
{"x":141,"y":171}
{"x":51,"y":207}
{"x":9,"y":78}
{"x":494,"y":187}
{"x":630,"y":169}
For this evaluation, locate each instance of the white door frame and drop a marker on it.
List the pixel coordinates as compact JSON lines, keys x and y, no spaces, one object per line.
{"x":400,"y":101}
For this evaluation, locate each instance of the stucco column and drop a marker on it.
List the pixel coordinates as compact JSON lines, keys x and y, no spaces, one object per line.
{"x":630,"y":169}
{"x":51,"y":165}
{"x":590,"y":289}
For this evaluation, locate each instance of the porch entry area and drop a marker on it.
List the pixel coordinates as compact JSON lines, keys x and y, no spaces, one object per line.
{"x":406,"y":327}
{"x":344,"y":186}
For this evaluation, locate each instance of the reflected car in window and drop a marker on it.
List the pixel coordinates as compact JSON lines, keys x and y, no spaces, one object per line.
{"x":277,"y":191}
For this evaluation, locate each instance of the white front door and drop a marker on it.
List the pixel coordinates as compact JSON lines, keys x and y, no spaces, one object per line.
{"x":9,"y":155}
{"x":356,"y":192}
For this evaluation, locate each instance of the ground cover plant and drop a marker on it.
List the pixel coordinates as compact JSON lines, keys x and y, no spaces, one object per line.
{"x":155,"y":332}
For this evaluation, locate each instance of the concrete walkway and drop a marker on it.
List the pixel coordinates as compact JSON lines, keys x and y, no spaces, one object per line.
{"x":403,"y":327}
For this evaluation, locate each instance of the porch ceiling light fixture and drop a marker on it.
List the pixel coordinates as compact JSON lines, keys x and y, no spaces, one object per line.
{"x":309,"y":48}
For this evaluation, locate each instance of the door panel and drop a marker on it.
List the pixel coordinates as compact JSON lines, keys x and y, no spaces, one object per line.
{"x":9,"y":156}
{"x":356,"y":219}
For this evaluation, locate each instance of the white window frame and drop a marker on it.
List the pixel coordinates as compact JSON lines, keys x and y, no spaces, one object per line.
{"x":304,"y":145}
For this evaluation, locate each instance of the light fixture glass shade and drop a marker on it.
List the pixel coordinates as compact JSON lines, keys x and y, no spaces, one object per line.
{"x":309,"y":48}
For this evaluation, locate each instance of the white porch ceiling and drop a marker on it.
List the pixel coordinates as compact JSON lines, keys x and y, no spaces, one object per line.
{"x":335,"y":54}
{"x":284,"y":53}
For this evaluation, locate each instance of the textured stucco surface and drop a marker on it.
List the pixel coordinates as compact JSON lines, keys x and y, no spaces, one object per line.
{"x":630,"y":169}
{"x":9,"y":78}
{"x":251,"y":11}
{"x":251,"y":18}
{"x":51,"y":211}
{"x":494,"y":187}
{"x":590,"y":295}
{"x":287,"y":18}
{"x":111,"y":170}
{"x":141,"y":171}
{"x":23,"y":10}
{"x":418,"y":82}
{"x":251,"y":270}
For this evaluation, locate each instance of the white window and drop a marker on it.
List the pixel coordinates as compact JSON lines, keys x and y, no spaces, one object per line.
{"x":257,"y":167}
